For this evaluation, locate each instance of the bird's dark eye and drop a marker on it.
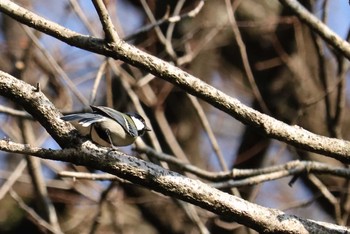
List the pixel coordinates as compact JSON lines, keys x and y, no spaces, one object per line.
{"x":141,"y":132}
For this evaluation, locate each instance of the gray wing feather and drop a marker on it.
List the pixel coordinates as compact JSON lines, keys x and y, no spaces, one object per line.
{"x":117,"y":116}
{"x":84,"y":119}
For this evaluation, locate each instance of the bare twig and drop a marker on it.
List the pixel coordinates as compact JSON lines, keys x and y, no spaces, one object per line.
{"x":172,"y":19}
{"x":341,"y":98}
{"x":169,"y":32}
{"x":106,"y":21}
{"x":209,"y":131}
{"x":91,"y":176}
{"x":80,"y":13}
{"x":327,"y":194}
{"x":169,"y":135}
{"x":192,"y":213}
{"x":323,"y":76}
{"x":103,"y":198}
{"x":32,"y":214}
{"x":47,"y":209}
{"x":52,"y":61}
{"x":13,"y":112}
{"x":254,"y":176}
{"x":17,"y":172}
{"x":244,"y":55}
{"x":99,"y":75}
{"x":257,"y":176}
{"x":136,"y":101}
{"x":312,"y":21}
{"x":151,"y":17}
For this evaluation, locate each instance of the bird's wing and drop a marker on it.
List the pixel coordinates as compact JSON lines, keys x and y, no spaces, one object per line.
{"x":84,"y":119}
{"x":117,"y":116}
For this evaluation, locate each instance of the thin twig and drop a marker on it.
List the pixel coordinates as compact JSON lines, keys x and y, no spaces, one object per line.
{"x":111,"y":34}
{"x":327,"y":195}
{"x":17,"y":172}
{"x":340,"y":99}
{"x":14,"y":112}
{"x":117,"y":70}
{"x":168,"y":134}
{"x":103,"y":198}
{"x":100,"y":72}
{"x":82,"y":15}
{"x":244,"y":56}
{"x":173,"y":19}
{"x":153,"y":21}
{"x":169,"y":32}
{"x":204,"y":121}
{"x":323,"y":76}
{"x":273,"y":172}
{"x":52,"y":61}
{"x":46,"y":207}
{"x":91,"y":176}
{"x":32,"y":214}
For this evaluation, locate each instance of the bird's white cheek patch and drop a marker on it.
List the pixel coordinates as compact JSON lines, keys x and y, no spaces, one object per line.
{"x":138,"y":123}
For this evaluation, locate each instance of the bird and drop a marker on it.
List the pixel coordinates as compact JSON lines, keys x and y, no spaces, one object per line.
{"x":108,"y":127}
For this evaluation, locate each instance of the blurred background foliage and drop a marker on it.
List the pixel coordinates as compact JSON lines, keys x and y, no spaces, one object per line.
{"x":254,"y":50}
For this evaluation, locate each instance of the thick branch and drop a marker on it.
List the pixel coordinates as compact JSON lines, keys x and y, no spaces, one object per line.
{"x":265,"y":124}
{"x":37,"y":104}
{"x":149,"y":175}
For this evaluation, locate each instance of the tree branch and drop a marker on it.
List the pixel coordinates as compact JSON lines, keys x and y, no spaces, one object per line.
{"x":293,"y":135}
{"x":37,"y":104}
{"x":111,"y":35}
{"x":242,"y":177}
{"x":175,"y":185}
{"x":313,"y":22}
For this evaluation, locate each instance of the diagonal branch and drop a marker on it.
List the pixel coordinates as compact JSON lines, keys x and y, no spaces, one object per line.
{"x":39,"y":106}
{"x":173,"y":184}
{"x":313,"y":22}
{"x":293,"y":135}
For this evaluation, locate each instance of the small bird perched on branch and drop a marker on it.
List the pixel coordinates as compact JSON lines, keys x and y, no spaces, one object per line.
{"x":108,"y":127}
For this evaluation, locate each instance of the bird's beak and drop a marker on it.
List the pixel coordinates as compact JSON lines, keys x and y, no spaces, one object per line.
{"x":147,"y":129}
